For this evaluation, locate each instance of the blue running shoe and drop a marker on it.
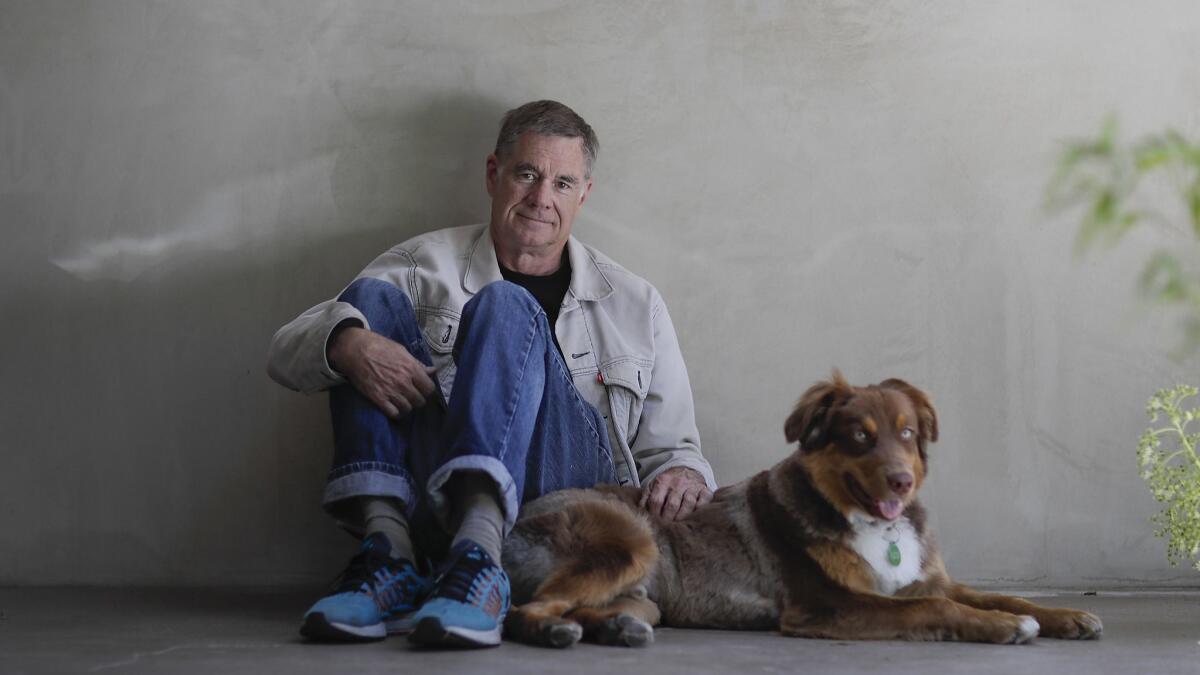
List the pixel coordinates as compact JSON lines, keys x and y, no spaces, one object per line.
{"x":468,"y":603}
{"x":376,"y":595}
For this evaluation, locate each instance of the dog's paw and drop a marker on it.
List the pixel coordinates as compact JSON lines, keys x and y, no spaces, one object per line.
{"x":1070,"y":624}
{"x":1000,"y":628}
{"x":561,"y":635}
{"x":1026,"y":630}
{"x":624,"y":630}
{"x":544,"y":631}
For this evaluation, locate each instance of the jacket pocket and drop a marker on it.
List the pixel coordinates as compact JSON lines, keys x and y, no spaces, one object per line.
{"x":626,"y":382}
{"x":440,"y":331}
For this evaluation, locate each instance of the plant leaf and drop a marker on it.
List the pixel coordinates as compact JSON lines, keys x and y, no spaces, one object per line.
{"x":1162,"y":279}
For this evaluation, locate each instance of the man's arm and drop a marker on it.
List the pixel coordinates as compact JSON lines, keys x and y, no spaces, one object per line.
{"x":332,"y":343}
{"x":675,"y":476}
{"x":298,"y":356}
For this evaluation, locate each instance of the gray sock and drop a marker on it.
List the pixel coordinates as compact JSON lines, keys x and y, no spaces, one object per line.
{"x":477,"y":510}
{"x":386,"y":515}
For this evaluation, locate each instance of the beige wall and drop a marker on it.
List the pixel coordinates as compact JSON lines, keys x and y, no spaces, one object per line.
{"x":809,"y":184}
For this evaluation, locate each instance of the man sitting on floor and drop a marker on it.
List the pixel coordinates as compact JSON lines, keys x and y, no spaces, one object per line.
{"x":475,"y":368}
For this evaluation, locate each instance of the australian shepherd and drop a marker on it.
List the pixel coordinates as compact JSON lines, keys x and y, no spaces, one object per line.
{"x":829,"y":543}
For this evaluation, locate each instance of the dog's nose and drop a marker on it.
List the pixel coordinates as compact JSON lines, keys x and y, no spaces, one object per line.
{"x":900,"y":483}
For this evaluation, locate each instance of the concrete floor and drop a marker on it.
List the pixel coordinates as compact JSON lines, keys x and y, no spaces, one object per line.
{"x":205,"y":631}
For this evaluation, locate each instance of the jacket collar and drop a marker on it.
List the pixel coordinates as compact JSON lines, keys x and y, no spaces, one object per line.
{"x":587,"y":281}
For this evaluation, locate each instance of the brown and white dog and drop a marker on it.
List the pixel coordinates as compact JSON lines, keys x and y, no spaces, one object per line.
{"x":829,"y":543}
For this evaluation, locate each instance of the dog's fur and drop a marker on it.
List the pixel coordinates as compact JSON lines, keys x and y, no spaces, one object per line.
{"x":801,"y":548}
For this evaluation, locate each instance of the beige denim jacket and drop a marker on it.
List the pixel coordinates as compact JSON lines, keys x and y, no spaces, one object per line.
{"x":613,"y":328}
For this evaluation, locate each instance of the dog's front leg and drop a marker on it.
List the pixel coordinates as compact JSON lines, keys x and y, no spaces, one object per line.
{"x":1067,"y":624}
{"x":875,"y":617}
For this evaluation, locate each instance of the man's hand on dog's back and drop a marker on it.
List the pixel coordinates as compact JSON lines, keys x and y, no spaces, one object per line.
{"x":381,"y":370}
{"x":675,"y":493}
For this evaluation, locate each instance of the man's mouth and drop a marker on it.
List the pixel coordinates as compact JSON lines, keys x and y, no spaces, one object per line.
{"x":533,"y":219}
{"x":888,"y":509}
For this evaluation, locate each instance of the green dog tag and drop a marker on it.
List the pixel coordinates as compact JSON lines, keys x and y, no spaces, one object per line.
{"x":893,"y":554}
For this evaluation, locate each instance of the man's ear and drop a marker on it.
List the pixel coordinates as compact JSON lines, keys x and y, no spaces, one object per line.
{"x":493,"y":174}
{"x":587,"y":189}
{"x":927,"y":431}
{"x":809,"y":423}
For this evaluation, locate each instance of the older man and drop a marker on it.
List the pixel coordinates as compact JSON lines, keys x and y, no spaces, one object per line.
{"x":474,"y":368}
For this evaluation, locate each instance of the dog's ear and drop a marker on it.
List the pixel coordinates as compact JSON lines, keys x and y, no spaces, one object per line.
{"x":809,"y":422}
{"x":927,"y":431}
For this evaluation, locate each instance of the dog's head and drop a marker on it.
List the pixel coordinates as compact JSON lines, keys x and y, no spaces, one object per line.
{"x":865,"y":447}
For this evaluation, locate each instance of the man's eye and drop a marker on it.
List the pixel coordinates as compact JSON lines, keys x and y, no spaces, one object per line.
{"x":565,"y":187}
{"x":526,"y":176}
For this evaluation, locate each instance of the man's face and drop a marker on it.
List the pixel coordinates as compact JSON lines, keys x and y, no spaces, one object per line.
{"x":536,"y":191}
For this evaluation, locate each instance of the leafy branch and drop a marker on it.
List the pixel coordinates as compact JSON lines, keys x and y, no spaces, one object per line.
{"x":1110,"y":182}
{"x":1173,"y":471}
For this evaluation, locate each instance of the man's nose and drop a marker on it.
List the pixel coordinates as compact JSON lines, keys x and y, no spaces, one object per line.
{"x":540,"y":195}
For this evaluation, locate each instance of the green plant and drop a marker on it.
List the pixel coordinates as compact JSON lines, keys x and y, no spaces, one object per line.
{"x":1112,"y":182}
{"x":1121,"y":185}
{"x":1173,"y":472}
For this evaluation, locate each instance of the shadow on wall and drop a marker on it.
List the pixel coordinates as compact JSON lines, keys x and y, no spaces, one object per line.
{"x":182,"y":462}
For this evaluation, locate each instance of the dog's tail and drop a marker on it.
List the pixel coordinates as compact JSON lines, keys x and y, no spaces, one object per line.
{"x":605,"y":550}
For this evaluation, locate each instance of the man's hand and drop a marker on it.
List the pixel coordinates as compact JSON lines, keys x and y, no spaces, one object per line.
{"x":675,"y":493}
{"x":382,"y":370}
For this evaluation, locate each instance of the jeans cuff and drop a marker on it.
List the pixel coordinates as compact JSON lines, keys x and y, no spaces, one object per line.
{"x":493,"y":467}
{"x":370,"y":479}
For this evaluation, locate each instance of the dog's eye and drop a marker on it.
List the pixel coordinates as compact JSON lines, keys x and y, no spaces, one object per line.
{"x":906,"y":433}
{"x":860,"y":436}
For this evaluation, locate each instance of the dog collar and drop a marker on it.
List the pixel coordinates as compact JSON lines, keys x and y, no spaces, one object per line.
{"x":893,"y":552}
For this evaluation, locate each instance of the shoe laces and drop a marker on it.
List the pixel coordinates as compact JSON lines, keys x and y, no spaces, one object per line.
{"x":372,"y":569}
{"x":392,"y":584}
{"x":361,"y":570}
{"x":469,"y":578}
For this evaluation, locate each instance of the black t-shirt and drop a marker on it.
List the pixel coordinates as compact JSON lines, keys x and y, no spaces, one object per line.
{"x":549,"y":290}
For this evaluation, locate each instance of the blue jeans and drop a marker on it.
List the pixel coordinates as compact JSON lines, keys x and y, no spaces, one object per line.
{"x":514,"y":412}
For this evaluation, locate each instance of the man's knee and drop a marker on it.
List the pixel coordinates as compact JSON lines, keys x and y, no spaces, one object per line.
{"x":386,"y":307}
{"x":502,"y":298}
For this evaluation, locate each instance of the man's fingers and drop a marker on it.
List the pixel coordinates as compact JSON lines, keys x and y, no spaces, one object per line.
{"x":658,"y":494}
{"x":423,"y":382}
{"x":690,"y":499}
{"x":382,"y":402}
{"x":401,"y":403}
{"x":675,"y":494}
{"x":414,"y":397}
{"x":674,"y":501}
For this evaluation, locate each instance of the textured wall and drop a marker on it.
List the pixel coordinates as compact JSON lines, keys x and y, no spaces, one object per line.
{"x":809,"y":184}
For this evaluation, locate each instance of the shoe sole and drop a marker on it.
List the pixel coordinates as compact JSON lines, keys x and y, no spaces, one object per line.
{"x":319,"y":629}
{"x":430,"y":632}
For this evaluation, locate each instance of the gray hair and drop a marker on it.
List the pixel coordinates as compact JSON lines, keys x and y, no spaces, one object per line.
{"x":547,"y":118}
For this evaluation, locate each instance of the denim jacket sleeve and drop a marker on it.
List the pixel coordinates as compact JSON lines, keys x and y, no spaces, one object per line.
{"x":667,"y":436}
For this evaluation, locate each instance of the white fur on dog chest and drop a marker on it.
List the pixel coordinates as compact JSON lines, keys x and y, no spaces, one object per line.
{"x":872,"y":539}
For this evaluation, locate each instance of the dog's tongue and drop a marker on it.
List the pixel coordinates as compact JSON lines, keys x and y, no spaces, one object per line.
{"x":890,"y":509}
